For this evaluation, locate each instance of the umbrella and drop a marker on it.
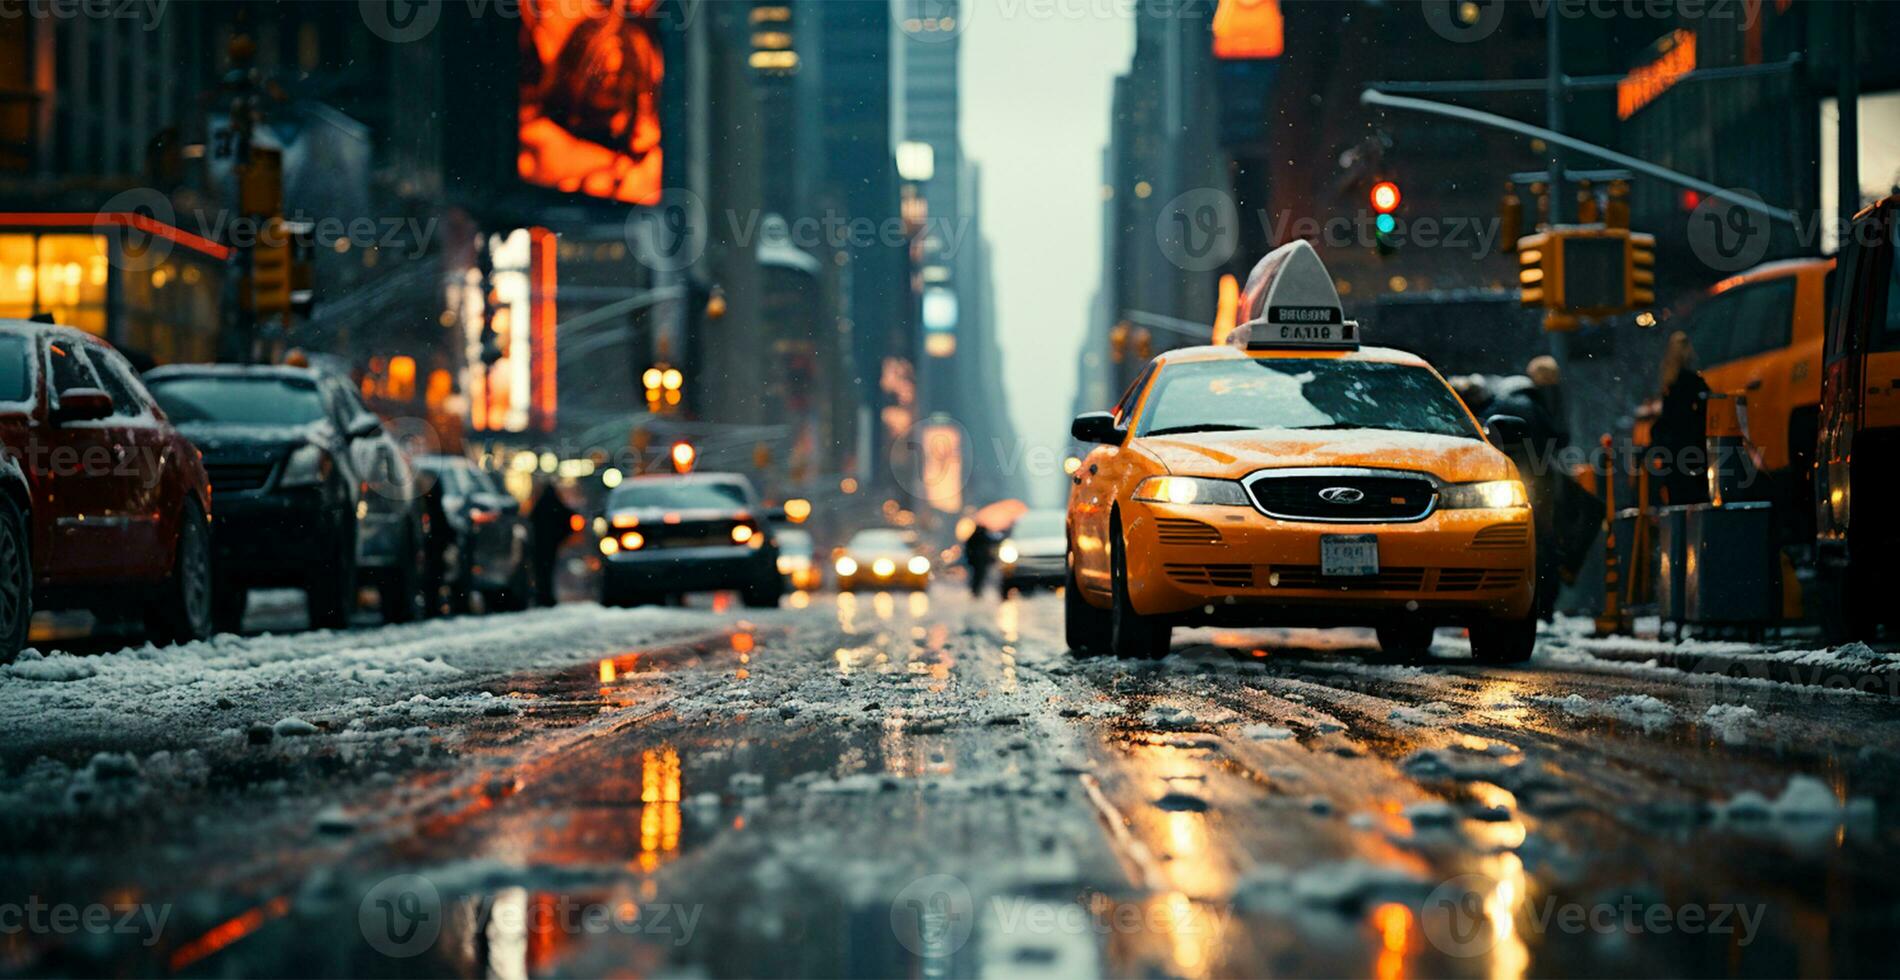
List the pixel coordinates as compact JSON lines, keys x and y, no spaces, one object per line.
{"x":1001,"y":515}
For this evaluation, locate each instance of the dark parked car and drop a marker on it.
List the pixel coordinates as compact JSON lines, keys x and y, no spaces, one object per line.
{"x":486,"y":547}
{"x":312,"y":492}
{"x":1035,"y":554}
{"x":103,"y":505}
{"x":669,"y":535}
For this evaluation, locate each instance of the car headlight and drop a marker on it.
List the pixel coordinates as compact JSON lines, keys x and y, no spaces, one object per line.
{"x":918,"y":565}
{"x":1489,"y":495}
{"x":1191,"y":490}
{"x":847,"y":566}
{"x":884,"y":567}
{"x":1008,"y":553}
{"x":309,"y":466}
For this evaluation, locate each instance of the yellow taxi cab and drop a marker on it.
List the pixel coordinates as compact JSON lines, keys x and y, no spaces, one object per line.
{"x":1295,"y":478}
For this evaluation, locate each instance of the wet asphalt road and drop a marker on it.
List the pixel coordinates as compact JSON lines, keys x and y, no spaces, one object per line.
{"x":898,"y":785}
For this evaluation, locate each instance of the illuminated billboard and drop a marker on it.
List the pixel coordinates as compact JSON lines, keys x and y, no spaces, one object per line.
{"x":590,"y":98}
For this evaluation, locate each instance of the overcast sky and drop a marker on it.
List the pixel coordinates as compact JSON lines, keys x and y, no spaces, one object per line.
{"x":1036,"y":85}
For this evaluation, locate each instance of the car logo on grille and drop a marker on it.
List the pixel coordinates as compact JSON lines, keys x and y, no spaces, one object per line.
{"x":1342,"y":495}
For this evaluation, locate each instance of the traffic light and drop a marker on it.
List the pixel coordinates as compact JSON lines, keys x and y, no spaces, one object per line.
{"x":1385,"y":200}
{"x":1534,"y":275}
{"x":1586,"y":272}
{"x":1639,"y":288}
{"x":1118,"y":341}
{"x":684,"y":455}
{"x":267,"y":289}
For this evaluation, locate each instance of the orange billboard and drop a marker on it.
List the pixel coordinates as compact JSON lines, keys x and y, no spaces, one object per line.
{"x":590,"y":98}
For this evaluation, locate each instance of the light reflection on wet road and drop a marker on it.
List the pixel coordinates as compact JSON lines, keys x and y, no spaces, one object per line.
{"x":887,"y":785}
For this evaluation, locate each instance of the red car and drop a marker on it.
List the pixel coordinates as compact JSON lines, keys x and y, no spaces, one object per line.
{"x":103,"y":506}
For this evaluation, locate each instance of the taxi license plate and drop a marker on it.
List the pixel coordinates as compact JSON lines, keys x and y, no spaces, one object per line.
{"x":1348,"y":555}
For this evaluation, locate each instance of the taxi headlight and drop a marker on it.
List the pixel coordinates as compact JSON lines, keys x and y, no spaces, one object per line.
{"x":1008,"y":553}
{"x":1191,"y":490}
{"x":846,"y":566}
{"x":918,"y":565}
{"x":1490,"y":495}
{"x":883,"y":567}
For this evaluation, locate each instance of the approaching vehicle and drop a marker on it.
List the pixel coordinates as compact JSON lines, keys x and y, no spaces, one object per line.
{"x":310,"y":488}
{"x":882,"y":558}
{"x":1297,"y":480}
{"x":487,"y":543}
{"x":797,"y":560}
{"x":1036,"y":553}
{"x":669,"y":535}
{"x":103,"y":505}
{"x":1859,"y":446}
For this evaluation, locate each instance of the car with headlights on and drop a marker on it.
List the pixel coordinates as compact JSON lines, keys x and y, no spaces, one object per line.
{"x":797,"y":560}
{"x":667,"y":535}
{"x":882,"y":558}
{"x":311,"y":490}
{"x":1035,"y":553}
{"x":1295,"y":478}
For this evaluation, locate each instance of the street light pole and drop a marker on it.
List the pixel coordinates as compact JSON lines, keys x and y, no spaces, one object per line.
{"x":1554,"y":111}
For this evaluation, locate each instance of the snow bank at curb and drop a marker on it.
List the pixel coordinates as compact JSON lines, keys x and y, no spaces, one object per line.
{"x":151,"y":697}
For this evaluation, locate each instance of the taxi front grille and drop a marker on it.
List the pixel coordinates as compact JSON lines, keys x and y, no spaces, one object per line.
{"x":1222,"y":576}
{"x":1180,"y":530}
{"x":1502,"y":537}
{"x":1309,"y":577}
{"x":1476,"y":579}
{"x":1345,"y":497}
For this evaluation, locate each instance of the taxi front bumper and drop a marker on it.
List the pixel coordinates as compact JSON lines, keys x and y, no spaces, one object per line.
{"x":1237,"y":565}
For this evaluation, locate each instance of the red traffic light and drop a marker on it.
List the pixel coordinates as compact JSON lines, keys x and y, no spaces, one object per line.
{"x":1385,"y":197}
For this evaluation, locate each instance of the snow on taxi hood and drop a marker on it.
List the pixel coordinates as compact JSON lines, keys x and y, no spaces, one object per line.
{"x":1236,"y":454}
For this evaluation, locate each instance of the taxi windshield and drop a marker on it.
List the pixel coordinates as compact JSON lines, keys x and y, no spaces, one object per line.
{"x":1301,"y":393}
{"x":681,"y":495}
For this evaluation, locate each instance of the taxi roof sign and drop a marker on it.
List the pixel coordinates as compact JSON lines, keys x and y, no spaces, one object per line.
{"x":1290,"y":301}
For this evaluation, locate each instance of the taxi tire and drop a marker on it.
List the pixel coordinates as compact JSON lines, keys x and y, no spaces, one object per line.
{"x":16,"y":579}
{"x":1504,"y":641}
{"x":1131,"y":635}
{"x":1083,"y":625}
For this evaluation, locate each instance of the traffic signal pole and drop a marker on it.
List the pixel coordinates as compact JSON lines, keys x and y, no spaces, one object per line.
{"x":1554,"y":92}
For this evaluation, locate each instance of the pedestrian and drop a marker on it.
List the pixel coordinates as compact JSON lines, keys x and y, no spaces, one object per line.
{"x":1536,"y":459}
{"x":550,"y":524}
{"x":437,"y":536}
{"x":1678,"y":437}
{"x":979,"y":552}
{"x":1547,"y":391}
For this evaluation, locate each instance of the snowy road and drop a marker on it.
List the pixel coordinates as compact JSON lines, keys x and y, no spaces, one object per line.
{"x":908,"y":785}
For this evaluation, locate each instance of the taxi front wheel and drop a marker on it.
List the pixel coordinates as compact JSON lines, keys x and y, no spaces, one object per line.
{"x":1131,"y":635}
{"x":1083,"y":625}
{"x":1504,"y":641}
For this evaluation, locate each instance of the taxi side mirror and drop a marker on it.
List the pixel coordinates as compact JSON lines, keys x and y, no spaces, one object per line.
{"x":1098,"y":427}
{"x":1506,"y":431}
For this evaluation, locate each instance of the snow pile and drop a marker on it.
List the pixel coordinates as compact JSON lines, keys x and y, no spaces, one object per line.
{"x":1730,"y":722}
{"x":1641,"y":710}
{"x":1267,"y":733}
{"x":1429,"y":713}
{"x":179,"y":696}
